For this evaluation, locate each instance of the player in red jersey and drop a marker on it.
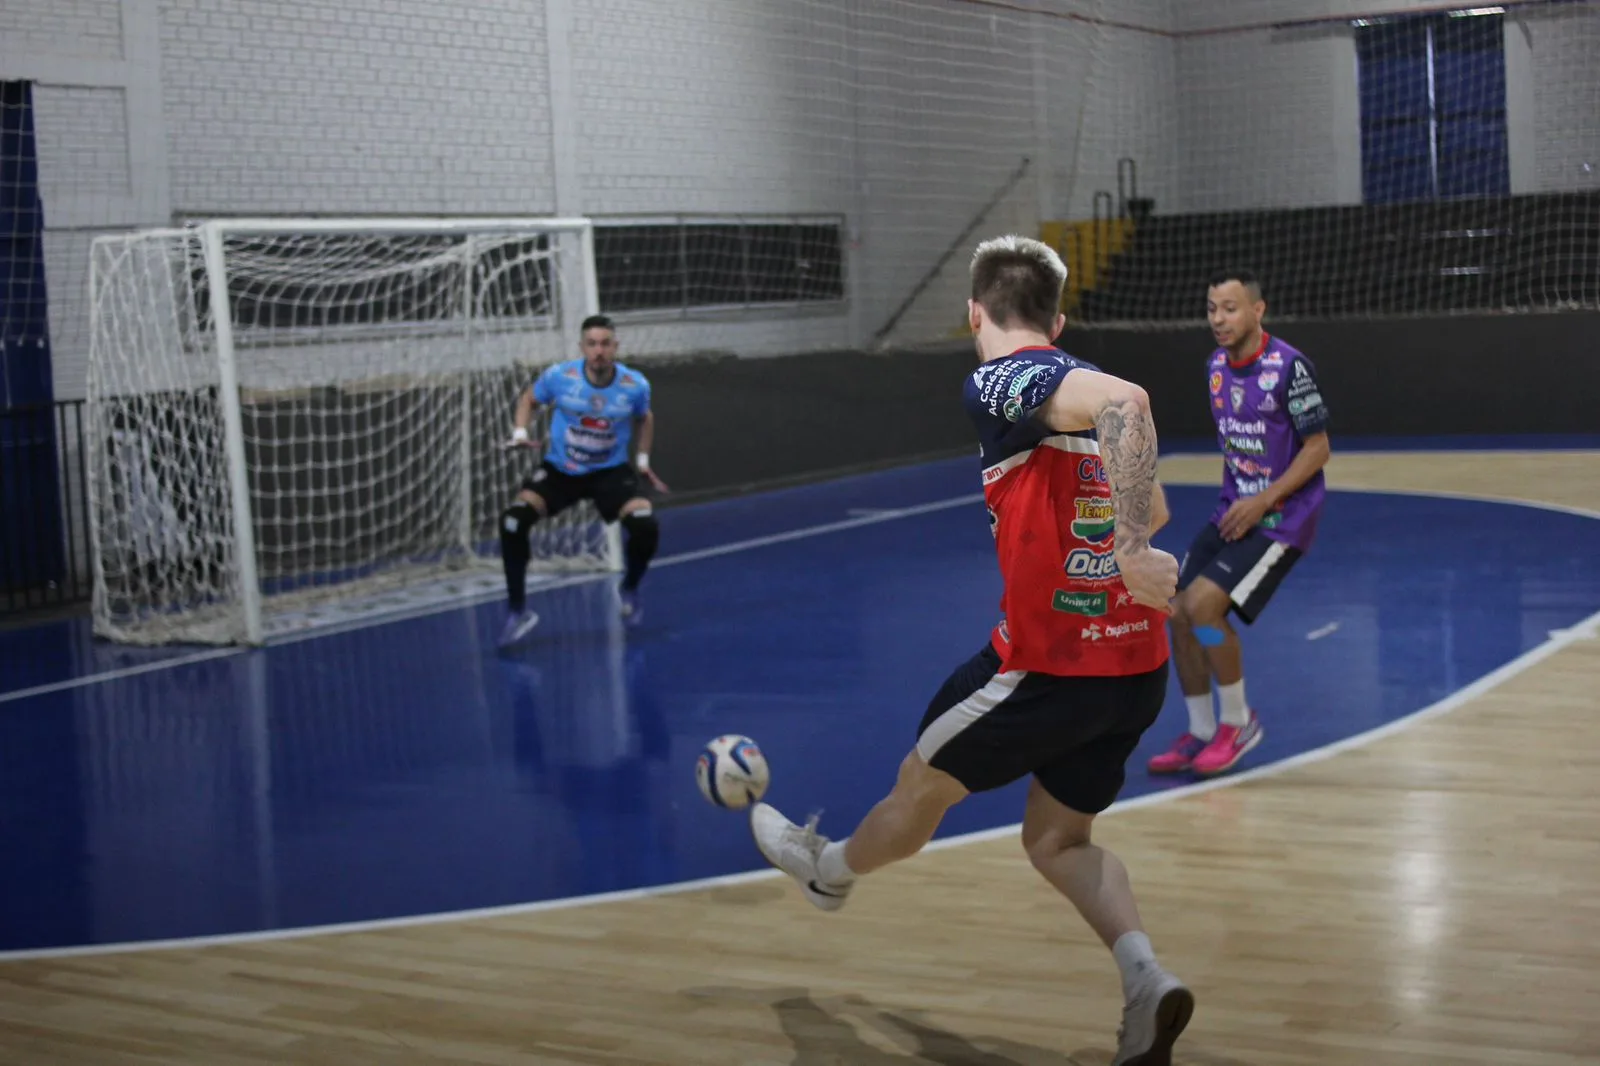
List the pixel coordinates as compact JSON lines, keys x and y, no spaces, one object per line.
{"x":1075,"y":671}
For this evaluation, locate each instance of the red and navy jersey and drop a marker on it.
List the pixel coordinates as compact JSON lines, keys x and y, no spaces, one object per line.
{"x":1064,"y":607}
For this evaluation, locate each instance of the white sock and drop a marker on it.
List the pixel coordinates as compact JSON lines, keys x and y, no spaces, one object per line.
{"x":1235,"y":711}
{"x":1136,"y":959}
{"x":831,"y":867}
{"x":1201,"y":721}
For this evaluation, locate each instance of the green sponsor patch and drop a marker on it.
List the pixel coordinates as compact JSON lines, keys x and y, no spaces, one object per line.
{"x":1085,"y":603}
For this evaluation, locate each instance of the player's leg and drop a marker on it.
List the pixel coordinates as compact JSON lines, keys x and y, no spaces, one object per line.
{"x":1190,"y":661}
{"x":897,"y":827}
{"x":972,"y":738}
{"x":542,"y":495}
{"x":1063,"y":802}
{"x":618,"y":499}
{"x":1239,"y":580}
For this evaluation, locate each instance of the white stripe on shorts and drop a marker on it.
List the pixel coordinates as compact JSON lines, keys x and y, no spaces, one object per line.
{"x":945,"y":728}
{"x":1258,"y":573}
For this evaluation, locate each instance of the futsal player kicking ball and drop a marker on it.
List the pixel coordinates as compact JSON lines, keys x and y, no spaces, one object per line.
{"x":1272,"y":427}
{"x":1075,"y":671}
{"x":596,"y":405}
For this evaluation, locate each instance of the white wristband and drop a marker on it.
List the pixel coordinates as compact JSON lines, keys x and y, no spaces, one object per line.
{"x":519,"y":434}
{"x":642,"y":460}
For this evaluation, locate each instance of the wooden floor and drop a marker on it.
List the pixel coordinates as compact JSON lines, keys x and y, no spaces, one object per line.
{"x":1433,"y":897}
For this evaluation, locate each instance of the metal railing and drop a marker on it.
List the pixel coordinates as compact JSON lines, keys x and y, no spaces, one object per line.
{"x":44,"y":508}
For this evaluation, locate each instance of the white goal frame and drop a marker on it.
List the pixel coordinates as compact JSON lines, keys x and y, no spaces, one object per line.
{"x":212,"y":237}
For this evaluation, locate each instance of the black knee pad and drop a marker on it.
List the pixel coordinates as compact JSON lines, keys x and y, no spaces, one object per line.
{"x":517,"y":520}
{"x":643,"y":529}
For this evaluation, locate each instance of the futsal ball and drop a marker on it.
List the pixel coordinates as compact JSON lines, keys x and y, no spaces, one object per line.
{"x":732,"y":772}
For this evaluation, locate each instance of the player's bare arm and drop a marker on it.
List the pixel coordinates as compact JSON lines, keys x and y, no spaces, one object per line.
{"x":522,"y":419}
{"x":1120,"y":413}
{"x":645,"y":433}
{"x":1248,"y":511}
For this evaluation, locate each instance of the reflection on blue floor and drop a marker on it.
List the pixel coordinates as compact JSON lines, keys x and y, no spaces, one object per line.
{"x":407,"y":768}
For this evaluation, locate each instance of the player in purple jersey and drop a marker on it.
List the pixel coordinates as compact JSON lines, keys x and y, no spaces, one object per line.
{"x":1272,"y":428}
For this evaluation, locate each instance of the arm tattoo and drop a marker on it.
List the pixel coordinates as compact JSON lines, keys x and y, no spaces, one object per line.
{"x":1128,"y":451}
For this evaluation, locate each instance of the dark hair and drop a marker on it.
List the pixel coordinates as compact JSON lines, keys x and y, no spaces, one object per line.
{"x":597,"y":322}
{"x":1018,"y":281}
{"x":1247,"y":278}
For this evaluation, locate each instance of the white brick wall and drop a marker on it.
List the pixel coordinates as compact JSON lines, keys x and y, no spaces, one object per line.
{"x":1268,"y":119}
{"x":355,"y":107}
{"x":82,"y":139}
{"x":1130,"y":86}
{"x":1565,"y":77}
{"x":80,"y":29}
{"x":903,"y":116}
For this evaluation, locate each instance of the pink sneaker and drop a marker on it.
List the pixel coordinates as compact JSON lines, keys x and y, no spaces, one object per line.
{"x":1179,"y":757}
{"x":1228,"y":747}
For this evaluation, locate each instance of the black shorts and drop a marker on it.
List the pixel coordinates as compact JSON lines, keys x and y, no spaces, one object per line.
{"x":609,"y":488}
{"x":988,"y":728}
{"x":1249,"y":569}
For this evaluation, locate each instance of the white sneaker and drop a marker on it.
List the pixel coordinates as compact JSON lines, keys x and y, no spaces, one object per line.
{"x":1152,"y":1020}
{"x":795,"y":850}
{"x":517,"y":626}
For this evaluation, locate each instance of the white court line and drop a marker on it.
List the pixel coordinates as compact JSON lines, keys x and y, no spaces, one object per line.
{"x":706,"y":553}
{"x":297,"y":636}
{"x":1528,"y":659}
{"x":1587,"y":629}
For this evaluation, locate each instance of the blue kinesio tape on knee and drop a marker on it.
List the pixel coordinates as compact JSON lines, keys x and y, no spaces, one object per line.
{"x":1210,"y":636}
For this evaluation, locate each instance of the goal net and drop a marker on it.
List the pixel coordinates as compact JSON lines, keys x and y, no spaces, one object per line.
{"x":293,"y":422}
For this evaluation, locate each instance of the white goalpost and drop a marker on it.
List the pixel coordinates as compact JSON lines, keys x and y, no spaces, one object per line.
{"x":294,"y":422}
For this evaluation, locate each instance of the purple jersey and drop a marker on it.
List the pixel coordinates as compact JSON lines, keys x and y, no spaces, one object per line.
{"x":1264,"y":410}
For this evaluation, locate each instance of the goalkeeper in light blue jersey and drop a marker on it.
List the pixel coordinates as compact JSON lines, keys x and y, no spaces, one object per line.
{"x":598,"y":408}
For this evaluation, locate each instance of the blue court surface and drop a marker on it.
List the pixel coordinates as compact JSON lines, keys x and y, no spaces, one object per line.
{"x":408,"y":768}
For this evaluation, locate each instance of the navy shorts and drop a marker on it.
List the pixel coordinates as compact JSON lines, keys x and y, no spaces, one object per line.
{"x":987,"y":727}
{"x":1249,"y":569}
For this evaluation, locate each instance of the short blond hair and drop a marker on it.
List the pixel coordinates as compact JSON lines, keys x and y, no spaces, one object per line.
{"x":1018,"y":280}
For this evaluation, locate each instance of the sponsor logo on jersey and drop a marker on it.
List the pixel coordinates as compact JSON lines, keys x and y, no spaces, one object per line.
{"x":1086,"y":564}
{"x":1014,"y":406}
{"x":1095,"y":632}
{"x":1267,"y":404}
{"x":1267,"y":380}
{"x":1092,"y":604}
{"x":1236,"y":394}
{"x":1090,"y":468}
{"x":1233,"y":425}
{"x":1095,"y":519}
{"x":1216,"y":382}
{"x":1272,"y":358}
{"x":1302,"y":404}
{"x":1248,"y":445}
{"x":1249,"y":466}
{"x":594,"y":422}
